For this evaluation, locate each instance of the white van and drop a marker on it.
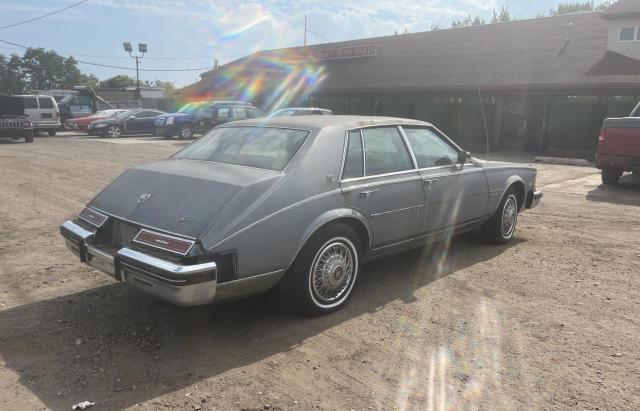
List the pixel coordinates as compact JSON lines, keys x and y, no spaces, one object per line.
{"x":43,"y":112}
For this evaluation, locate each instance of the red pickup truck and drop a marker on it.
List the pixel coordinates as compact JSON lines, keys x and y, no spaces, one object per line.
{"x":619,"y":147}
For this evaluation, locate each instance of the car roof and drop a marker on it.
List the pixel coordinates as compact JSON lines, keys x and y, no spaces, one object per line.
{"x":303,"y":108}
{"x":231,"y":103}
{"x":319,"y":122}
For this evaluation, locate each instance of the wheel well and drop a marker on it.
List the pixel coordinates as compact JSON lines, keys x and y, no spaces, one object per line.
{"x":518,"y":186}
{"x":358,"y":227}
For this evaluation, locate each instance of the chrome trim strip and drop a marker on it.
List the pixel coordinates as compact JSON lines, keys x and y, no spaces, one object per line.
{"x":166,"y":265}
{"x":420,"y":237}
{"x":185,"y":237}
{"x":77,"y":230}
{"x":277,"y":213}
{"x":349,"y":180}
{"x":193,"y":243}
{"x":249,"y":278}
{"x":381,"y":183}
{"x":408,"y":146}
{"x":399,"y":210}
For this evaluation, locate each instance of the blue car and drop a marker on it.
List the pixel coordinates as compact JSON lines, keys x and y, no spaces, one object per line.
{"x":200,"y":117}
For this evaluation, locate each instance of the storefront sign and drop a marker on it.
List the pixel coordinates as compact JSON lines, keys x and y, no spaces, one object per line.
{"x":349,"y":52}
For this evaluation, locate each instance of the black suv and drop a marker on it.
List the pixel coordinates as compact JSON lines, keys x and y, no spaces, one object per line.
{"x":13,"y":122}
{"x":202,"y":117}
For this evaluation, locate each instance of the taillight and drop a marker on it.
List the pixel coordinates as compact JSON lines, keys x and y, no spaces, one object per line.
{"x":56,"y":115}
{"x":603,"y":134}
{"x":166,"y":242}
{"x":26,"y":124}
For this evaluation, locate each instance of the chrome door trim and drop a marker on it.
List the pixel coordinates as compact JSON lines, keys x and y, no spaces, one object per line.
{"x":406,"y":143}
{"x":381,"y":183}
{"x":399,"y":210}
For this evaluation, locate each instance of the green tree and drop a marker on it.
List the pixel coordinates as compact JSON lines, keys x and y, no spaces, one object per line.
{"x":119,"y":81}
{"x":502,"y":16}
{"x":574,"y":7}
{"x":12,"y":76}
{"x":468,"y":21}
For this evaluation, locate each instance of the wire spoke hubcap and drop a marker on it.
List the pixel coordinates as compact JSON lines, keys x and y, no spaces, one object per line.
{"x":509,"y":216}
{"x":332,"y":272}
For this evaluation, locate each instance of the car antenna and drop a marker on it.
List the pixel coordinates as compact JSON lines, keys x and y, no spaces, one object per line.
{"x":484,"y":122}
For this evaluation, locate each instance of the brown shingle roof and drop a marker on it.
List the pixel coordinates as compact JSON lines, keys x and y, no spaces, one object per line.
{"x":622,"y":8}
{"x":533,"y":53}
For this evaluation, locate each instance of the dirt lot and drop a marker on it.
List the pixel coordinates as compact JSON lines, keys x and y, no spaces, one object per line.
{"x":551,"y":321}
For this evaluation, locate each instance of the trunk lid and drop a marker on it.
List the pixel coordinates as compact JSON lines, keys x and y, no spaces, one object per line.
{"x":183,"y":197}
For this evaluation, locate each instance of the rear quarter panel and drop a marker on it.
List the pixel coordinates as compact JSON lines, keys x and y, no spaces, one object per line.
{"x":622,"y":137}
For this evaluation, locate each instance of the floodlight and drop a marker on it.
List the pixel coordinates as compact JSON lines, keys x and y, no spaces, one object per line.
{"x":142,"y":47}
{"x":127,"y":47}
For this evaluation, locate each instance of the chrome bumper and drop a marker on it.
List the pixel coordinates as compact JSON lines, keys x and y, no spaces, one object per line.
{"x":180,"y":284}
{"x":533,"y":198}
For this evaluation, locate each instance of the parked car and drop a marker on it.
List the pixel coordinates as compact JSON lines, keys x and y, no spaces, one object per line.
{"x":82,"y":123}
{"x":619,"y":147}
{"x":43,"y":112}
{"x":301,"y":111}
{"x":13,"y":122}
{"x":297,"y":203}
{"x":137,"y":121}
{"x":201,"y":117}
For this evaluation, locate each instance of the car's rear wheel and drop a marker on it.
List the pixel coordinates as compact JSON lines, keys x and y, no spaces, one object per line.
{"x":185,"y":132}
{"x":28,"y":138}
{"x":113,"y":131}
{"x":52,"y":132}
{"x":501,"y":227}
{"x":324,"y":273}
{"x":611,"y":175}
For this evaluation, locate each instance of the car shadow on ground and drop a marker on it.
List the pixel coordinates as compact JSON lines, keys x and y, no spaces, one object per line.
{"x":626,"y":192}
{"x":119,"y":347}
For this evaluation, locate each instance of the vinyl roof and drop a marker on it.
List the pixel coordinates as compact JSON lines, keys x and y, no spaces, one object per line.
{"x":318,"y":122}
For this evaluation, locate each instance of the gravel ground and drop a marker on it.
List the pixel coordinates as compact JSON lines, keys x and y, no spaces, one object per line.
{"x":550,"y":321}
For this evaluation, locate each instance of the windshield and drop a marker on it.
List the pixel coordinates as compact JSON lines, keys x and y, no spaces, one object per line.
{"x":260,"y":147}
{"x":189,"y":108}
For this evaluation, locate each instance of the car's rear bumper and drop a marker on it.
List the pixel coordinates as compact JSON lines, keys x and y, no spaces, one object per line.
{"x":180,"y":284}
{"x":16,"y":132}
{"x":533,"y":199}
{"x":630,"y":163}
{"x":47,"y":124}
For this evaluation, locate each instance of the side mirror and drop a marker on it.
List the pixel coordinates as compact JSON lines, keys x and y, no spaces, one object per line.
{"x":463,"y":156}
{"x":132,"y":118}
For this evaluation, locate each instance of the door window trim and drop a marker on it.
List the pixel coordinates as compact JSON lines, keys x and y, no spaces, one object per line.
{"x":407,"y":145}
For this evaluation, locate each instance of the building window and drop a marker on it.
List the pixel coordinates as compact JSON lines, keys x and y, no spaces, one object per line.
{"x":627,"y":34}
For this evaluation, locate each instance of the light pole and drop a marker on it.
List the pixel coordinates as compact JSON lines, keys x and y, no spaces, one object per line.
{"x":142,"y":48}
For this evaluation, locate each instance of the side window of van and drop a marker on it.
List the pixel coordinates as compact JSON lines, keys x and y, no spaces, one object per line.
{"x":45,"y":102}
{"x":30,"y":102}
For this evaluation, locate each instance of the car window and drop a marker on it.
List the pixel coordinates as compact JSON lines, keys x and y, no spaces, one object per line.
{"x":385,"y":151}
{"x":205,"y":112}
{"x":30,"y":102}
{"x":354,"y":162}
{"x":224,"y":112}
{"x":261,"y":147}
{"x":429,"y":148}
{"x":45,"y":102}
{"x":145,"y":114}
{"x":253,"y":112}
{"x":239,"y":113}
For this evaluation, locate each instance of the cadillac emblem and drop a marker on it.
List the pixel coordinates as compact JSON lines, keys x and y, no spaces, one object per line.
{"x":143,"y":197}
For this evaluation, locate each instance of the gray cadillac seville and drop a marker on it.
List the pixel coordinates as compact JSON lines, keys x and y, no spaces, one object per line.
{"x":292,"y":203}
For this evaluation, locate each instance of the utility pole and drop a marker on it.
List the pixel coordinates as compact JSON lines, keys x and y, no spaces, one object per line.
{"x":142,"y":49}
{"x":305,"y":30}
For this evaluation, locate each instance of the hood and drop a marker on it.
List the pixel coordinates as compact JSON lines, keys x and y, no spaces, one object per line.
{"x":184,"y":197}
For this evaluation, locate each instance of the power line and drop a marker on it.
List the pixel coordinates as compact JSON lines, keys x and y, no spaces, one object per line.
{"x":115,"y":67}
{"x":44,"y":15}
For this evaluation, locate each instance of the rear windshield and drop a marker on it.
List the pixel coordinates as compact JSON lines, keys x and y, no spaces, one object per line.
{"x":260,"y":147}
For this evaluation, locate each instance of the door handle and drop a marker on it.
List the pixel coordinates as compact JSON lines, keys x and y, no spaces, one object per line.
{"x":365,"y":194}
{"x":428,"y":182}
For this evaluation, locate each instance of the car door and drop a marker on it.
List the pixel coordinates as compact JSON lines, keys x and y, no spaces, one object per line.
{"x":146,"y":121}
{"x":456,"y":194}
{"x":141,"y":122}
{"x":380,"y":179}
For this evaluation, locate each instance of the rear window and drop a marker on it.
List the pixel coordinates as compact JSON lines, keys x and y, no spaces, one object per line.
{"x":260,"y":147}
{"x":45,"y":102}
{"x":30,"y":102}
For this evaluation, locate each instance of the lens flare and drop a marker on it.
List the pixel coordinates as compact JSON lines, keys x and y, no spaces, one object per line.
{"x":234,"y":33}
{"x":269,"y":79}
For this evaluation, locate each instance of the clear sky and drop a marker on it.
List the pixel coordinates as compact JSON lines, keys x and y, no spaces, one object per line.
{"x":184,"y":34}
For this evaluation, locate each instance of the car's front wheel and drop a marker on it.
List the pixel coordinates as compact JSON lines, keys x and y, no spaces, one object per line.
{"x":323,"y":275}
{"x":113,"y":131}
{"x":185,"y":132}
{"x":501,"y":227}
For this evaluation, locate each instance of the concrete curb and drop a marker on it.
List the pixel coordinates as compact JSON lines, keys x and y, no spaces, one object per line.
{"x":563,"y":161}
